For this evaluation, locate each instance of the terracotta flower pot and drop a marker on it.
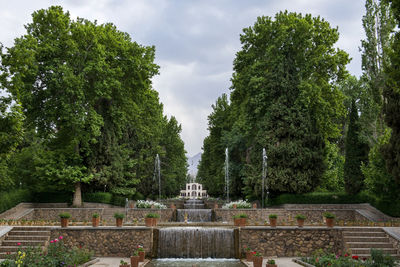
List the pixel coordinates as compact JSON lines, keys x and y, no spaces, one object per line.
{"x":142,"y":255}
{"x":134,"y":261}
{"x":150,"y":222}
{"x":236,"y":221}
{"x":254,"y":205}
{"x":96,"y":222}
{"x":271,"y":265}
{"x":272,"y":222}
{"x":216,"y":206}
{"x":125,"y":265}
{"x":257,"y":261}
{"x":243,"y":222}
{"x":249,"y":255}
{"x":64,"y":222}
{"x":300,"y":222}
{"x":234,"y":206}
{"x":118,"y":222}
{"x":330,"y":222}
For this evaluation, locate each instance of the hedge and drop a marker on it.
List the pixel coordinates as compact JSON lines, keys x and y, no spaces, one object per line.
{"x":102,"y":197}
{"x":10,"y":199}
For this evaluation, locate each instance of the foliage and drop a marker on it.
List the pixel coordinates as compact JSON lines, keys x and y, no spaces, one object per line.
{"x":57,"y":255}
{"x":300,"y":217}
{"x":322,"y":259}
{"x":118,"y":215}
{"x":13,"y":198}
{"x":241,"y":215}
{"x":271,"y":261}
{"x":321,"y":198}
{"x":240,"y":204}
{"x":148,"y":204}
{"x":273,"y":216}
{"x":152,"y":215}
{"x":356,"y":154}
{"x":95,"y":215}
{"x":89,"y":114}
{"x":329,"y":215}
{"x":65,"y":215}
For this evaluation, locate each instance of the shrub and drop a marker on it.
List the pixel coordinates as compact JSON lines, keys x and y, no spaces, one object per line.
{"x":152,"y":215}
{"x":329,"y":215}
{"x":104,"y":197}
{"x":95,"y":215}
{"x":273,"y":216}
{"x":65,"y":215}
{"x":52,"y":197}
{"x":147,"y":204}
{"x":271,"y":262}
{"x":300,"y":217}
{"x":118,"y":215}
{"x":241,"y":204}
{"x":10,"y":199}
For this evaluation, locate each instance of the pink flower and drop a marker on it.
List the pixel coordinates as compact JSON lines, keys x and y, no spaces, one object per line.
{"x":52,"y":241}
{"x":55,"y":240}
{"x":18,"y":244}
{"x":60,"y":237}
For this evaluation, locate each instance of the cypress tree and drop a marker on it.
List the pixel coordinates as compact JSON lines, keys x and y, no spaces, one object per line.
{"x":356,"y":152}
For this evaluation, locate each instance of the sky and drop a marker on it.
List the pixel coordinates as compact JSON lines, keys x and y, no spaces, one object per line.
{"x":196,"y":42}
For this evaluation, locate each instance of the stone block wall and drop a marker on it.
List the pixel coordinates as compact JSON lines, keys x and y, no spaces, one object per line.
{"x":166,"y":215}
{"x":291,"y":241}
{"x":107,"y":241}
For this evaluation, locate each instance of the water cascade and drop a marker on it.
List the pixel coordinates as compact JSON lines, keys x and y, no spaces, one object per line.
{"x":264,"y":175}
{"x":195,"y":211}
{"x":194,"y":204}
{"x":196,"y":242}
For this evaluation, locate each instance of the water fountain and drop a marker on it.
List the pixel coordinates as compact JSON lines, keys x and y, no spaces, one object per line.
{"x":264,"y":175}
{"x":227,"y":174}
{"x":196,"y":242}
{"x":157,"y":174}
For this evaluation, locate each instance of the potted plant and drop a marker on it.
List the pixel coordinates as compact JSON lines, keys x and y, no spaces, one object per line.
{"x":243,"y":219}
{"x":119,"y":217}
{"x":236,"y":220}
{"x":249,"y":253}
{"x":142,"y":254}
{"x":257,"y":259}
{"x":272,"y":219}
{"x":271,"y":263}
{"x":300,"y":220}
{"x":123,"y":263}
{"x":95,"y":219}
{"x":135,"y":259}
{"x":64,"y":218}
{"x":151,"y":219}
{"x":329,"y":219}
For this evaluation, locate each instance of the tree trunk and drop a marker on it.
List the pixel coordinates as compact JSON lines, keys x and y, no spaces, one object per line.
{"x":77,"y":202}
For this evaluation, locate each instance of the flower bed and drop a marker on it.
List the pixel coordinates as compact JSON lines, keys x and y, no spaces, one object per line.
{"x":57,"y":254}
{"x":321,"y":259}
{"x":241,"y":204}
{"x":149,"y":204}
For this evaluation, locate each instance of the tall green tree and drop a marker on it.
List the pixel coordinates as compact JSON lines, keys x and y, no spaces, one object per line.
{"x":91,"y":112}
{"x":284,"y":90}
{"x":356,"y":154}
{"x":391,"y":107}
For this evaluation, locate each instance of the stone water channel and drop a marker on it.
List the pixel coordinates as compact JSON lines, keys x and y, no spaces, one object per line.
{"x":196,"y":246}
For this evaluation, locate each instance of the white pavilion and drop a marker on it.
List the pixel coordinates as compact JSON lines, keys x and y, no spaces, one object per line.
{"x":193,"y":190}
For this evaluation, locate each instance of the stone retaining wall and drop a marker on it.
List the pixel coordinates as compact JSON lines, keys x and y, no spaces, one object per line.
{"x":287,"y":216}
{"x":290,"y":241}
{"x":107,"y":241}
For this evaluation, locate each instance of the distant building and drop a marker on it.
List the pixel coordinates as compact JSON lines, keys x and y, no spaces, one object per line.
{"x":193,"y":190}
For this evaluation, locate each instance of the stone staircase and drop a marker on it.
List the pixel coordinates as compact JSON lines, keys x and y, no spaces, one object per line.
{"x":108,"y":214}
{"x":360,"y":241}
{"x":27,"y":237}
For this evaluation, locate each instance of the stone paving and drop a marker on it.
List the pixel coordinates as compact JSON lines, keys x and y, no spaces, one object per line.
{"x":281,"y":262}
{"x":114,"y":262}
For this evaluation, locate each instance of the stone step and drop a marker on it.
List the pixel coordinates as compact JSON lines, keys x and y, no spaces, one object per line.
{"x":363,"y":229}
{"x":352,"y":245}
{"x":366,"y":239}
{"x":29,"y":233}
{"x":31,"y":228}
{"x":27,"y":243}
{"x":6,"y":255}
{"x":28,"y":237}
{"x":365,"y":256}
{"x":367,"y":251}
{"x":366,"y":234}
{"x":12,"y":248}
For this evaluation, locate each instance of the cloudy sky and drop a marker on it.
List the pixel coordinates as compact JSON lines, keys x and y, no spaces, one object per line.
{"x":196,"y":42}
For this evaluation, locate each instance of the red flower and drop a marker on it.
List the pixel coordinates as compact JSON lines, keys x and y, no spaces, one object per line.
{"x":60,"y":237}
{"x":346,"y":255}
{"x":18,"y":244}
{"x":364,"y":259}
{"x":355,"y":257}
{"x":254,"y":253}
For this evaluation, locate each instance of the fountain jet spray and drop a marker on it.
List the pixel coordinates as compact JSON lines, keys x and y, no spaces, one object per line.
{"x":157,"y":174}
{"x":264,"y":175}
{"x":227,"y":174}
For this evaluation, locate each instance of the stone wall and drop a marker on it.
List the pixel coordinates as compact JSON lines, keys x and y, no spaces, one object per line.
{"x":291,"y":241}
{"x":313,"y":217}
{"x":107,"y":241}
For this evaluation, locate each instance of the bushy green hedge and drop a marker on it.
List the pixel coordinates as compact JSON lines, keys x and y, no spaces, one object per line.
{"x":13,"y":198}
{"x":321,"y":198}
{"x":391,"y":208}
{"x":107,"y":198}
{"x":52,"y":197}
